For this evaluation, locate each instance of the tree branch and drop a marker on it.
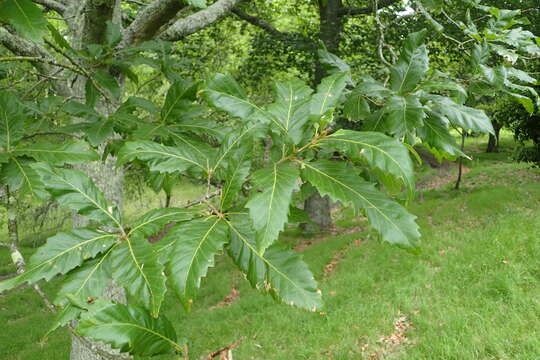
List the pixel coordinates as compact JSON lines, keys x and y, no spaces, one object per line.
{"x":149,"y":21}
{"x":301,"y":42}
{"x":51,"y":5}
{"x":199,"y":20}
{"x":352,"y":11}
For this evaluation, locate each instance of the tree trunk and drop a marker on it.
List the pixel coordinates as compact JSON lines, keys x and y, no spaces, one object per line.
{"x":460,"y":160}
{"x":493,"y":142}
{"x":318,"y":209}
{"x":316,"y":206}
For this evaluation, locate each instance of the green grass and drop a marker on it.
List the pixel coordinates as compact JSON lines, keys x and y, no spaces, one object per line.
{"x":472,"y":292}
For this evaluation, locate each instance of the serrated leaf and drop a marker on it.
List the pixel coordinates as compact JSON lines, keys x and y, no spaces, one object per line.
{"x":328,"y":94}
{"x":435,"y":133}
{"x":108,"y":82}
{"x":224,"y":93}
{"x":179,"y":101}
{"x":233,"y":142}
{"x":161,"y":158}
{"x":457,"y":91}
{"x":412,"y":64}
{"x":395,"y":224}
{"x":87,"y":281}
{"x":292,"y":107}
{"x":380,"y":151}
{"x":113,"y":34}
{"x":463,"y":116}
{"x":403,"y":114}
{"x":19,"y":175}
{"x":99,"y":131}
{"x":75,"y":190}
{"x":196,"y":243}
{"x":62,"y":253}
{"x":269,"y":209}
{"x":282,"y":273}
{"x":356,"y":108}
{"x":235,"y":174}
{"x":154,"y":221}
{"x":26,"y":17}
{"x":135,"y":265}
{"x":130,"y":329}
{"x":11,"y":120}
{"x":72,"y":152}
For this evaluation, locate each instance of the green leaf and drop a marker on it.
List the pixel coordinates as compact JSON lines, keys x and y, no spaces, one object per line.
{"x":403,"y":114}
{"x":292,"y":107}
{"x":11,"y":120}
{"x":372,"y":88}
{"x":435,"y":133}
{"x":412,"y":65}
{"x":337,"y":180}
{"x":328,"y":94}
{"x":196,"y":243}
{"x":135,"y":265}
{"x":269,"y":209}
{"x":201,"y":4}
{"x":380,"y":151}
{"x":62,"y":253}
{"x":75,"y":190}
{"x":72,"y":152}
{"x":113,"y":34}
{"x":159,"y":157}
{"x":154,"y":220}
{"x":463,"y":116}
{"x":235,"y":174}
{"x":19,"y":175}
{"x":224,"y":93}
{"x":130,"y":329}
{"x":456,"y":90}
{"x":179,"y":101}
{"x":99,"y":131}
{"x":87,"y":281}
{"x":282,"y":273}
{"x":108,"y":82}
{"x":356,"y":108}
{"x":26,"y":17}
{"x":234,"y":142}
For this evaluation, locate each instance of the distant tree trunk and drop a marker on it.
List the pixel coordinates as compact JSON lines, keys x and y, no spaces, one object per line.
{"x":316,"y":206}
{"x":493,"y":142}
{"x":460,"y":160}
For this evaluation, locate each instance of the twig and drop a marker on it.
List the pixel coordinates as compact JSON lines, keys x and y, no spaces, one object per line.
{"x":380,"y":27}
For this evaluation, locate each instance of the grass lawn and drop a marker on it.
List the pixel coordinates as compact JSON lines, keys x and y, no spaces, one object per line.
{"x":472,"y":292}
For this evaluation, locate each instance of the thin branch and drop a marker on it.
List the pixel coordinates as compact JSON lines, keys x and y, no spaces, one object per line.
{"x":301,"y":42}
{"x":52,"y":5}
{"x":380,"y":27}
{"x":199,"y":20}
{"x":352,"y":11}
{"x":37,"y":59}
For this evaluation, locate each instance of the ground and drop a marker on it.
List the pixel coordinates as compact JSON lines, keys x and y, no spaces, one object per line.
{"x":471,"y":292}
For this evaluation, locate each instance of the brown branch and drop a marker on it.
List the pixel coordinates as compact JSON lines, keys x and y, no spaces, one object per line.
{"x":352,"y":11}
{"x":300,"y":41}
{"x":199,"y":20}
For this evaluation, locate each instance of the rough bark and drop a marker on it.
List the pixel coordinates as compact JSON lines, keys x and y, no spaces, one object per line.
{"x":199,"y":20}
{"x":317,"y":207}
